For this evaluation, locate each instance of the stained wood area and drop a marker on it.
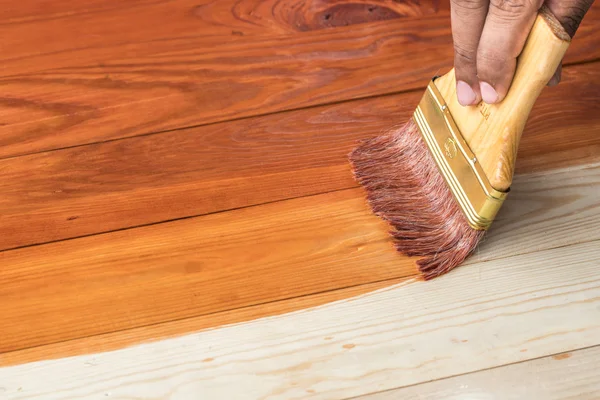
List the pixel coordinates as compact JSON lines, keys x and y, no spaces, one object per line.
{"x":175,"y":178}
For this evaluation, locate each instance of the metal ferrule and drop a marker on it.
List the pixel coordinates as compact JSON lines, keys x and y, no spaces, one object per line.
{"x":478,"y":200}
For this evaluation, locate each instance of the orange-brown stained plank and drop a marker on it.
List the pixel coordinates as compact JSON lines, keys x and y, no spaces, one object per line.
{"x":117,"y":340}
{"x":92,"y":94}
{"x":34,"y":27}
{"x":192,"y":267}
{"x":103,"y":187}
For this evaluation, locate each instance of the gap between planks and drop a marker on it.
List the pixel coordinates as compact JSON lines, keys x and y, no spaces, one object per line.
{"x":563,"y":376}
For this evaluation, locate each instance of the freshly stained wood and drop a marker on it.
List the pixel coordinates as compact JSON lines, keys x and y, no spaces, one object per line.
{"x":192,"y":267}
{"x":99,"y":93}
{"x":245,"y":257}
{"x":478,"y":317}
{"x":137,"y":181}
{"x":88,"y":95}
{"x":152,"y":333}
{"x":34,"y":28}
{"x":566,"y":376}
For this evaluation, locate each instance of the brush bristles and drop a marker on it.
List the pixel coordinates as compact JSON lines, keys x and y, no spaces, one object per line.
{"x":405,"y":188}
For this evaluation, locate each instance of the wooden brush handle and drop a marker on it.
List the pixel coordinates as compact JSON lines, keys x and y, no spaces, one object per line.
{"x":493,"y":131}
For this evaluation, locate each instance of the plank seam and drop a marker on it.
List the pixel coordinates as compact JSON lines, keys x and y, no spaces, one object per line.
{"x":473,"y":372}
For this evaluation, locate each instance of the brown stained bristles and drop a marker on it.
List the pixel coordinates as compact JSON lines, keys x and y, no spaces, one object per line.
{"x":406,"y":189}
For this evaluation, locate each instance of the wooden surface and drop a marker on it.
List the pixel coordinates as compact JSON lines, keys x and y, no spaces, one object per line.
{"x":144,"y":180}
{"x":104,"y":91}
{"x":572,"y":375}
{"x":175,"y":180}
{"x":487,"y":315}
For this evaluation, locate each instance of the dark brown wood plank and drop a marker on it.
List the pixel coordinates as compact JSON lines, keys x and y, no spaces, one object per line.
{"x":102,"y":187}
{"x":87,"y":95}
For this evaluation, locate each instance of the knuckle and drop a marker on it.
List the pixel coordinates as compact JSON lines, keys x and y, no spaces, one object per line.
{"x":489,"y":65}
{"x":514,"y":7}
{"x":464,"y":54}
{"x":468,"y":5}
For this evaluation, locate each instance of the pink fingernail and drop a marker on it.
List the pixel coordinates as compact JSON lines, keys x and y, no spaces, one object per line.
{"x":488,"y":93}
{"x":466,"y":95}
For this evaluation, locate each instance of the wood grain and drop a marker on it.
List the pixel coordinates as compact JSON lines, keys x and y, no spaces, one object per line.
{"x":479,"y":317}
{"x":153,"y":333}
{"x":558,"y":203}
{"x":42,"y":28}
{"x":85,"y":95}
{"x":125,"y":183}
{"x":565,"y":376}
{"x":245,"y":257}
{"x":192,"y":267}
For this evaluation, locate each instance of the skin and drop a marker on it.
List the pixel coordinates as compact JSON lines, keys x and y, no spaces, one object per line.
{"x":488,"y":36}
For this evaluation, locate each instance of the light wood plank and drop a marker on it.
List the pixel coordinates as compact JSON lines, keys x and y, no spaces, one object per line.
{"x":99,"y":93}
{"x":478,"y":317}
{"x":546,"y":210}
{"x":246,"y":257}
{"x":565,"y":376}
{"x":102,"y":187}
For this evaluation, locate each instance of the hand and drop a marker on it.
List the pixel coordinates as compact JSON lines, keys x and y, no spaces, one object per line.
{"x":489,"y":35}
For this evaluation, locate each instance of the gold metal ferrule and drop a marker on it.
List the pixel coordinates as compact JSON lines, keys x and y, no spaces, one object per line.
{"x":478,"y":200}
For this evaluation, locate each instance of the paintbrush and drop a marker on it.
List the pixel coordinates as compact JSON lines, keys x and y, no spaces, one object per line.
{"x":440,"y":180}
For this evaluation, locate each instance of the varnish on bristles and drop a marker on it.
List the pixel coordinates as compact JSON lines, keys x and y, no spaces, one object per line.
{"x":405,"y":188}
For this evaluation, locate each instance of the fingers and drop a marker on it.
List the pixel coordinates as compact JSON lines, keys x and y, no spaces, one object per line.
{"x":569,"y":13}
{"x":506,"y":28}
{"x":468,"y":17}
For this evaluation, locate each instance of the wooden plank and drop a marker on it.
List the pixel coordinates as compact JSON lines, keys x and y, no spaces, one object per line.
{"x":558,"y":204}
{"x":564,"y":376}
{"x":99,"y":93}
{"x":250,"y":256}
{"x":192,"y":267}
{"x":34,"y":27}
{"x":137,"y":181}
{"x":479,"y":317}
{"x":152,"y":333}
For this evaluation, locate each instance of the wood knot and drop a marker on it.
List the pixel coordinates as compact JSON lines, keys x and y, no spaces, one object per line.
{"x":318,"y":14}
{"x":350,"y":14}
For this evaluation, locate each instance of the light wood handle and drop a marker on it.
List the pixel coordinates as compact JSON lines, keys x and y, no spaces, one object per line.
{"x":493,"y":131}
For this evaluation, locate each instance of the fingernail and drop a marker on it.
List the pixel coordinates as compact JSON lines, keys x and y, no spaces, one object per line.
{"x":466,"y":95}
{"x":488,"y":93}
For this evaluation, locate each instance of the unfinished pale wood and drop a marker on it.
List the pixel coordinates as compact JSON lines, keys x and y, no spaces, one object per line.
{"x":143,"y":180}
{"x":245,"y":257}
{"x":566,"y":376}
{"x":546,"y":209}
{"x":493,"y":131}
{"x":478,"y":317}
